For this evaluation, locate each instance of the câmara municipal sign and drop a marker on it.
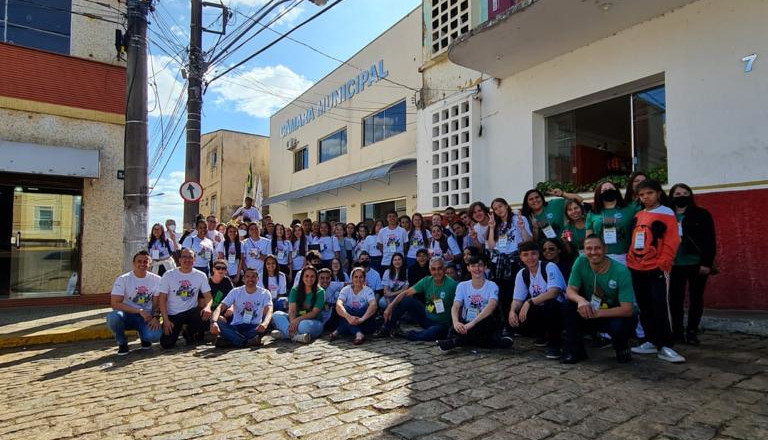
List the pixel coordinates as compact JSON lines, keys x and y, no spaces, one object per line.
{"x":365,"y":78}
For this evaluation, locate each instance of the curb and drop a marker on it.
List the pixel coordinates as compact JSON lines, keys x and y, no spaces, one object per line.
{"x":22,"y":339}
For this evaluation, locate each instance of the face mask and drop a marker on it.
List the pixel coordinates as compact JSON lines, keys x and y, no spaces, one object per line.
{"x":682,"y":201}
{"x":365,"y":263}
{"x":610,"y":195}
{"x":242,"y":232}
{"x":171,"y":228}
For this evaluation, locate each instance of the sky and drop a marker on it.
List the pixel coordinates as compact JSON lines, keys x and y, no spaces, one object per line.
{"x":243,"y":99}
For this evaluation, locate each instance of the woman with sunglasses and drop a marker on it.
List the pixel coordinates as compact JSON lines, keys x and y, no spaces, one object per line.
{"x":221,"y":285}
{"x":229,"y":251}
{"x":554,"y":251}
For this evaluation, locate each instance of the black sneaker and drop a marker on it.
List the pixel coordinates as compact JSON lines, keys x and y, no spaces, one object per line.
{"x":146,"y":345}
{"x":601,"y":342}
{"x":573,"y":358}
{"x":692,"y":338}
{"x":541,"y":341}
{"x":506,"y":335}
{"x":398,"y":333}
{"x":381,"y":333}
{"x":222,"y":343}
{"x":623,"y":356}
{"x":553,"y":353}
{"x":446,"y":344}
{"x":122,"y":350}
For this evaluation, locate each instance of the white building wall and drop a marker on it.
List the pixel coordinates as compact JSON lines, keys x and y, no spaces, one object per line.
{"x":716,"y":130}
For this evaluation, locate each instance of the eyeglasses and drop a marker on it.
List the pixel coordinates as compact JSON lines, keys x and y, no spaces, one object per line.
{"x":220,"y":267}
{"x":549,"y":249}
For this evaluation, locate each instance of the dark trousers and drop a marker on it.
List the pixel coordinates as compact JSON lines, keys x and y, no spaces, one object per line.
{"x":545,"y":319}
{"x":190,"y":318}
{"x":506,"y":290}
{"x":239,"y":335}
{"x":415,"y":310}
{"x":345,"y":328}
{"x":484,"y":334}
{"x":620,"y":329}
{"x":681,"y":277}
{"x":652,"y":294}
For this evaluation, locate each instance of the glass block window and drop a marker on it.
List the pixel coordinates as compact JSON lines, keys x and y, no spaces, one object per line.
{"x":451,"y":154}
{"x":450,"y":18}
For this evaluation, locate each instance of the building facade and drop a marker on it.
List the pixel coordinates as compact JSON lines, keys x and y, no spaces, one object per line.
{"x":574,"y":92}
{"x":62,"y":98}
{"x":225,"y":158}
{"x":345,"y":150}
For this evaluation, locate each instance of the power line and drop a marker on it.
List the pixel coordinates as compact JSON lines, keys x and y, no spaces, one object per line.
{"x":70,"y":11}
{"x":250,"y":57}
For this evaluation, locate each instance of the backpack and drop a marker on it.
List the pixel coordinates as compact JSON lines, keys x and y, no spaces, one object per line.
{"x":527,"y":275}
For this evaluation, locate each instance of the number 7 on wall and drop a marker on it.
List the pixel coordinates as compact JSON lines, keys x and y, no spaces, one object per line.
{"x":748,"y":61}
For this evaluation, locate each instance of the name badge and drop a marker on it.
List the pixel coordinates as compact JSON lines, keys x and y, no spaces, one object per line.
{"x":549,"y":232}
{"x":610,"y":236}
{"x":207,"y":254}
{"x":640,"y":240}
{"x":253,"y":253}
{"x":247,"y":316}
{"x":679,"y":229}
{"x":439,"y":307}
{"x":280,"y":255}
{"x":155,"y":254}
{"x":273,"y":290}
{"x":231,"y":258}
{"x":472,"y":314}
{"x":392,"y":247}
{"x":503,"y":242}
{"x":596,"y":303}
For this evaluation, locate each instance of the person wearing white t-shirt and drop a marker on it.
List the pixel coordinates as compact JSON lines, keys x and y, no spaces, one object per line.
{"x":179,"y":291}
{"x":275,"y":282}
{"x":201,"y":246}
{"x":254,"y":249}
{"x":248,"y":212}
{"x":473,"y":307}
{"x":538,"y":299}
{"x":356,"y":306}
{"x":213,"y":233}
{"x":134,"y":303}
{"x":372,"y":278}
{"x":332,"y":289}
{"x":329,"y":245}
{"x":418,"y":238}
{"x":252,"y":307}
{"x":391,"y":239}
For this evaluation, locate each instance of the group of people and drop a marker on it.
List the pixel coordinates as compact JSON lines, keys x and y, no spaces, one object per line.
{"x":556,"y":270}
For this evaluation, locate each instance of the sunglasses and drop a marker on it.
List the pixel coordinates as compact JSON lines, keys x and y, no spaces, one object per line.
{"x":220,"y":267}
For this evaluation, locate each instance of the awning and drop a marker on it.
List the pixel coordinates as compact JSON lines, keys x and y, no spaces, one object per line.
{"x":340,"y":182}
{"x":18,"y":157}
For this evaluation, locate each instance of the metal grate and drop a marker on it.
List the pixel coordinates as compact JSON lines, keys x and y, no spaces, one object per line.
{"x":450,"y":19}
{"x":451,"y":154}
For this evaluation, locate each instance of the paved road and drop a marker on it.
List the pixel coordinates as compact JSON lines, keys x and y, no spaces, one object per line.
{"x":382,"y":390}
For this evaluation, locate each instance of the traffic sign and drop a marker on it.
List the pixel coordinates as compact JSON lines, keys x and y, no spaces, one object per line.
{"x":191,"y":191}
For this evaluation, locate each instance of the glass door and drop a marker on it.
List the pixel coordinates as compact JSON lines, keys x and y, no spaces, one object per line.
{"x":44,"y":243}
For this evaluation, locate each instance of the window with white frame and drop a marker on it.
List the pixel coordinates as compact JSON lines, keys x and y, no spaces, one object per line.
{"x":384,"y":124}
{"x":43,"y":218}
{"x":449,"y":20}
{"x":451,"y":154}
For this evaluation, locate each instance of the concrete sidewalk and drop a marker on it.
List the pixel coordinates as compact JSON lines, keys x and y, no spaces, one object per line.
{"x":25,"y":326}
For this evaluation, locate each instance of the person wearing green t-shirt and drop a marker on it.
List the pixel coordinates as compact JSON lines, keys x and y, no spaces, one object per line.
{"x":575,"y":228}
{"x":600,"y":296}
{"x":547,"y":217}
{"x":303,"y":322}
{"x":611,"y":220}
{"x":435,"y":318}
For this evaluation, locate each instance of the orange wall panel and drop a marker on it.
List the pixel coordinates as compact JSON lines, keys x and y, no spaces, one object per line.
{"x":51,"y":78}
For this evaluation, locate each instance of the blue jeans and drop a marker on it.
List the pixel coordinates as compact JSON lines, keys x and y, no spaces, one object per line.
{"x":311,"y":326}
{"x":432,"y":330}
{"x":239,"y":334}
{"x":345,"y":328}
{"x":280,"y":304}
{"x":119,"y":321}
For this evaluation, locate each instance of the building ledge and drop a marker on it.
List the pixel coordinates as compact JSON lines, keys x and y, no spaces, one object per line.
{"x":535,"y":31}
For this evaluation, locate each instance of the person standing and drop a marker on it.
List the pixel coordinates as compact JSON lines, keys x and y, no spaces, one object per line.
{"x":693,"y":262}
{"x":213,"y":234}
{"x":251,"y":308}
{"x":161,"y":250}
{"x":134,"y":305}
{"x":247,"y":212}
{"x":179,"y":292}
{"x":390,"y":240}
{"x":229,"y":250}
{"x":202,"y":247}
{"x":611,"y":219}
{"x":255,"y":249}
{"x":653,"y":247}
{"x":418,"y":238}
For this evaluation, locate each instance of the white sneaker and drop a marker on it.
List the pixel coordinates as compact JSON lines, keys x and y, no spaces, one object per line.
{"x":302,"y":338}
{"x":276,"y":334}
{"x":645,"y":348}
{"x":669,"y":355}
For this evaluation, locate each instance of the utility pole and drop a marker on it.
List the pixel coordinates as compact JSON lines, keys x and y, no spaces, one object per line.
{"x":135,"y":142}
{"x":194,"y":104}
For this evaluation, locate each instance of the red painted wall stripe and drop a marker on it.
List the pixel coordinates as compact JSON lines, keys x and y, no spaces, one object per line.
{"x":59,"y":79}
{"x":742,"y":252}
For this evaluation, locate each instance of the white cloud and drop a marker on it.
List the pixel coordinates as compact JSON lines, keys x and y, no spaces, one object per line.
{"x":168,"y":85}
{"x":165,"y":201}
{"x":260,"y":91}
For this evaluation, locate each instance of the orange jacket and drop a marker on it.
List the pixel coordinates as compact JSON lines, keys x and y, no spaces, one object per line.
{"x":661,"y":242}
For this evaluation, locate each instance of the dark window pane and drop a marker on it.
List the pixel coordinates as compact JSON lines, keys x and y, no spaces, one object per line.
{"x":47,"y":15}
{"x":650,"y":119}
{"x":333,"y":146}
{"x":395,"y":119}
{"x":368,"y":131}
{"x":38,"y":39}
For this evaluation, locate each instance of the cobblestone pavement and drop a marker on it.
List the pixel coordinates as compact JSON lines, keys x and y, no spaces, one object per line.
{"x":382,"y":390}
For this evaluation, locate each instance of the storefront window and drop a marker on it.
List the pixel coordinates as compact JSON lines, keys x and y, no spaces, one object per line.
{"x":608,"y":139}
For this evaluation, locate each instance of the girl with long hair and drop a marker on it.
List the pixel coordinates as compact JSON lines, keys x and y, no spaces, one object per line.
{"x":229,"y":251}
{"x":303,"y":322}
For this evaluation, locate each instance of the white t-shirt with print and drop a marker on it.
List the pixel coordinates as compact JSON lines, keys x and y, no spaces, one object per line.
{"x":276,"y":286}
{"x":417,"y":241}
{"x":245,"y":302}
{"x":394,"y":285}
{"x":251,"y":213}
{"x":472,"y":300}
{"x":252,"y":249}
{"x":538,"y":286}
{"x":183,"y":289}
{"x":283,"y":250}
{"x":509,"y":237}
{"x":392,"y":240}
{"x":203,"y":249}
{"x":298,"y":260}
{"x":482,"y":232}
{"x":356,"y":301}
{"x":231,"y":257}
{"x":137,"y":292}
{"x":328,"y":247}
